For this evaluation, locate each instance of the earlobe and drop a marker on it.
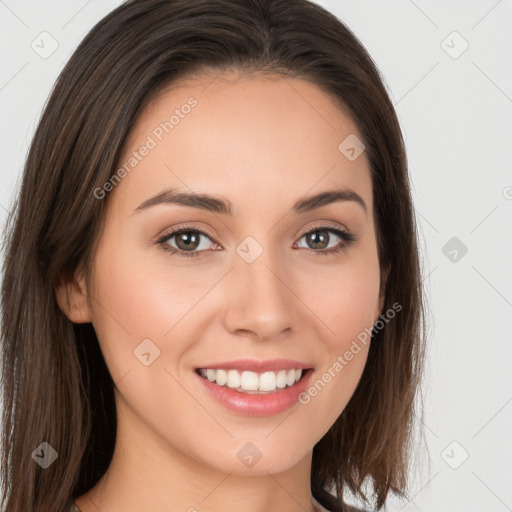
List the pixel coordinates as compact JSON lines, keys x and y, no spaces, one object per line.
{"x":71,"y":294}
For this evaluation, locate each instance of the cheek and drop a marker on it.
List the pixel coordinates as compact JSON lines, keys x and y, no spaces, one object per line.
{"x":352,"y":305}
{"x":134,"y":301}
{"x":344,"y":297}
{"x":144,"y":293}
{"x":346,"y":301}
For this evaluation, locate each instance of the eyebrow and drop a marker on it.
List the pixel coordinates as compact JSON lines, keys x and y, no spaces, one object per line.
{"x":223,"y":206}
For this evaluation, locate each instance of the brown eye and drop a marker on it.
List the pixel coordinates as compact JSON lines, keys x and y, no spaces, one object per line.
{"x":186,"y":242}
{"x":319,"y":238}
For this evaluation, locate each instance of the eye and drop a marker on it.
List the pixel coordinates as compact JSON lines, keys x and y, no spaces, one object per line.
{"x":188,"y":242}
{"x":319,"y":239}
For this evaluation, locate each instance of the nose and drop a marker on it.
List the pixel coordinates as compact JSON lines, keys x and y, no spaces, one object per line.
{"x":259,"y":300}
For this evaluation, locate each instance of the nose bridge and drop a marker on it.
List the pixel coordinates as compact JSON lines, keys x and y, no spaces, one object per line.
{"x":260,"y":301}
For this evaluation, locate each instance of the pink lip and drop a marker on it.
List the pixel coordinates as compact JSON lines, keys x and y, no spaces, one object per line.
{"x":253,"y":365}
{"x":256,"y":404}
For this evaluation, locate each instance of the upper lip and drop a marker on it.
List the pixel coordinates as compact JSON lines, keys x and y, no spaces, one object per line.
{"x":258,"y":366}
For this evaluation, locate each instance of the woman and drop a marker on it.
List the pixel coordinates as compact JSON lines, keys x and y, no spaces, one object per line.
{"x":212,"y":296}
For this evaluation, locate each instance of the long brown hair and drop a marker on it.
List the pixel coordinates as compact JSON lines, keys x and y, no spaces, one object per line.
{"x":57,"y":388}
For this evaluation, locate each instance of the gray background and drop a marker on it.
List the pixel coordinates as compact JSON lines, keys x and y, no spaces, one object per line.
{"x":455,"y":108}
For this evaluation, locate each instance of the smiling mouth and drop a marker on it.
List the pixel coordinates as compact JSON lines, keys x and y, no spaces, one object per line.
{"x":253,"y":382}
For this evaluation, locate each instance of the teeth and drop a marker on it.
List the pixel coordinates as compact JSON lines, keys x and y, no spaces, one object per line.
{"x":281,"y":379}
{"x":267,"y":381}
{"x":233,"y":379}
{"x":249,"y":381}
{"x":219,"y":376}
{"x":252,"y":381}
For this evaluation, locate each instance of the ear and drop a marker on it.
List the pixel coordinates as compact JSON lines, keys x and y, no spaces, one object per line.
{"x":71,"y":294}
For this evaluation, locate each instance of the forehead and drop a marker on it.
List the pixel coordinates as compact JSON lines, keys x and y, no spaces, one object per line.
{"x":252,"y":139}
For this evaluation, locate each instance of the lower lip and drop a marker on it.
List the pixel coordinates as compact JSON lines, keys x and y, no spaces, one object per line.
{"x":256,"y":404}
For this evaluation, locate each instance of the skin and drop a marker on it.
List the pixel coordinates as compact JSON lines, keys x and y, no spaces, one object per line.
{"x":262,"y":144}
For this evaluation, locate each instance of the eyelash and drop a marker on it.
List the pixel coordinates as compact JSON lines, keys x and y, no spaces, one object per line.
{"x":348,"y":239}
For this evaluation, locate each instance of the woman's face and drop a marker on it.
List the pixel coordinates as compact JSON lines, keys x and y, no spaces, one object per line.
{"x":255,"y":288}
